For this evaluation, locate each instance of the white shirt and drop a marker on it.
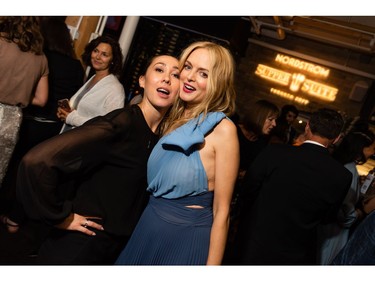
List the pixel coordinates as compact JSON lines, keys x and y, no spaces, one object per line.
{"x":314,"y":142}
{"x":105,"y":96}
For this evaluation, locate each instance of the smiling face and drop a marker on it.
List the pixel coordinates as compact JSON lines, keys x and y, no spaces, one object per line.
{"x":161,"y":82}
{"x":101,"y":57}
{"x":194,"y":76}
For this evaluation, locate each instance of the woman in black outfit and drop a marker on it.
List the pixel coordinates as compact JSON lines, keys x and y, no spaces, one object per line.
{"x":106,"y":159}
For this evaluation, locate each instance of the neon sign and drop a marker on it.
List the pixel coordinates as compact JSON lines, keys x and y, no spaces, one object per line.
{"x":302,"y":65}
{"x":273,"y":74}
{"x":289,"y":96}
{"x":298,"y":81}
{"x":319,"y":90}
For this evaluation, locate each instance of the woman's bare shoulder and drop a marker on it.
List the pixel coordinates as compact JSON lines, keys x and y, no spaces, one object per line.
{"x":226,"y":127}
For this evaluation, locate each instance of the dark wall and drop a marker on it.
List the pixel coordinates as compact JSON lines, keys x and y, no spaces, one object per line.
{"x":169,"y":35}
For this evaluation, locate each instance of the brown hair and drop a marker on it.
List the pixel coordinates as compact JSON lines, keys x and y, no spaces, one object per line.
{"x":57,"y":36}
{"x":254,"y":119}
{"x":23,"y":31}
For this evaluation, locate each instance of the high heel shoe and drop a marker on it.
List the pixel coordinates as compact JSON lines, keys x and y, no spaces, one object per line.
{"x":12,"y":227}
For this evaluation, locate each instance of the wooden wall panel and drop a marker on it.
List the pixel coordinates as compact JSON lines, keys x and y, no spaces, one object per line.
{"x":86,"y":28}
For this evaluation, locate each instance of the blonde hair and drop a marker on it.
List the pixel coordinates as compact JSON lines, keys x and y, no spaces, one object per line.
{"x":220,"y":96}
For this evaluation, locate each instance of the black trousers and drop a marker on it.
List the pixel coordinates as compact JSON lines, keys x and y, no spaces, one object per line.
{"x":64,"y":247}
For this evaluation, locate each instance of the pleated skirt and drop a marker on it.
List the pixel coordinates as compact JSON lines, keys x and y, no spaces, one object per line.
{"x":169,"y":233}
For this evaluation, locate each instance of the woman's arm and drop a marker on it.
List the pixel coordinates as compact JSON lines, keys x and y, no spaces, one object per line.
{"x":226,"y":169}
{"x":47,"y":167}
{"x":98,"y":103}
{"x":41,"y":92}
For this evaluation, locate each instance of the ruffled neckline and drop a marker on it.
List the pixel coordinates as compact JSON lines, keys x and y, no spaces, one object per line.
{"x":192,"y":132}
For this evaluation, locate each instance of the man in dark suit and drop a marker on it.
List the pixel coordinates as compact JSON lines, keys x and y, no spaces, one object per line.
{"x":289,"y":191}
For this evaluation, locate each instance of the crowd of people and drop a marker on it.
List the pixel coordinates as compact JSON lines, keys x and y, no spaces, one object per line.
{"x":178,"y":177}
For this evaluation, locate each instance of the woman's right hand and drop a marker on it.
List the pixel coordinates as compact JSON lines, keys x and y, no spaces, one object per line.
{"x":76,"y":222}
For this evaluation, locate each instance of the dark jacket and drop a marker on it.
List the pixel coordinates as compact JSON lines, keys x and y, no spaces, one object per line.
{"x":288,"y":192}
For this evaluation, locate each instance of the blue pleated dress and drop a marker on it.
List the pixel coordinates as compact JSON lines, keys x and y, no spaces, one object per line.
{"x":169,"y":233}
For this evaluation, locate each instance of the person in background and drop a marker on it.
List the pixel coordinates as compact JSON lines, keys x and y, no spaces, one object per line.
{"x":300,"y":138}
{"x":359,"y":250}
{"x":192,"y":169}
{"x":106,"y":159}
{"x":367,"y":202}
{"x":103,"y":92}
{"x":24,"y":79}
{"x":289,"y":191}
{"x":284,"y":132}
{"x":253,"y":130}
{"x":136,"y":98}
{"x":354,"y":149}
{"x":40,"y":123}
{"x":290,"y":113}
{"x":65,"y":78}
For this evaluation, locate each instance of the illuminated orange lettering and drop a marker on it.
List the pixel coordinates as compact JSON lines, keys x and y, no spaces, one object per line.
{"x":303,"y":65}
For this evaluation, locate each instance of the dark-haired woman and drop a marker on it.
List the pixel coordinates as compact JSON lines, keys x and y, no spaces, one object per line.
{"x":103,"y":92}
{"x":106,"y":159}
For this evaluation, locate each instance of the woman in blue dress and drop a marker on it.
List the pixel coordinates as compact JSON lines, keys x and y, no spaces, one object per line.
{"x":192,"y":169}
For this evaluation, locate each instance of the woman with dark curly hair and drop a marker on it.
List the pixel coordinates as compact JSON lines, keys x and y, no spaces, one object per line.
{"x":103,"y":92}
{"x":24,"y":78}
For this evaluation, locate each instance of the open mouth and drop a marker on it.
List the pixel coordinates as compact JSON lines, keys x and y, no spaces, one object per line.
{"x":188,"y":88}
{"x":163,"y":91}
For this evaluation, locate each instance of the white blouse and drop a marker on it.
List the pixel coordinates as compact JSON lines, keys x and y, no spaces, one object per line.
{"x":105,"y":96}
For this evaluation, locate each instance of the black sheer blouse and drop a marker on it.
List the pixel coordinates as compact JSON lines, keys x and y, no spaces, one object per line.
{"x":98,"y":169}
